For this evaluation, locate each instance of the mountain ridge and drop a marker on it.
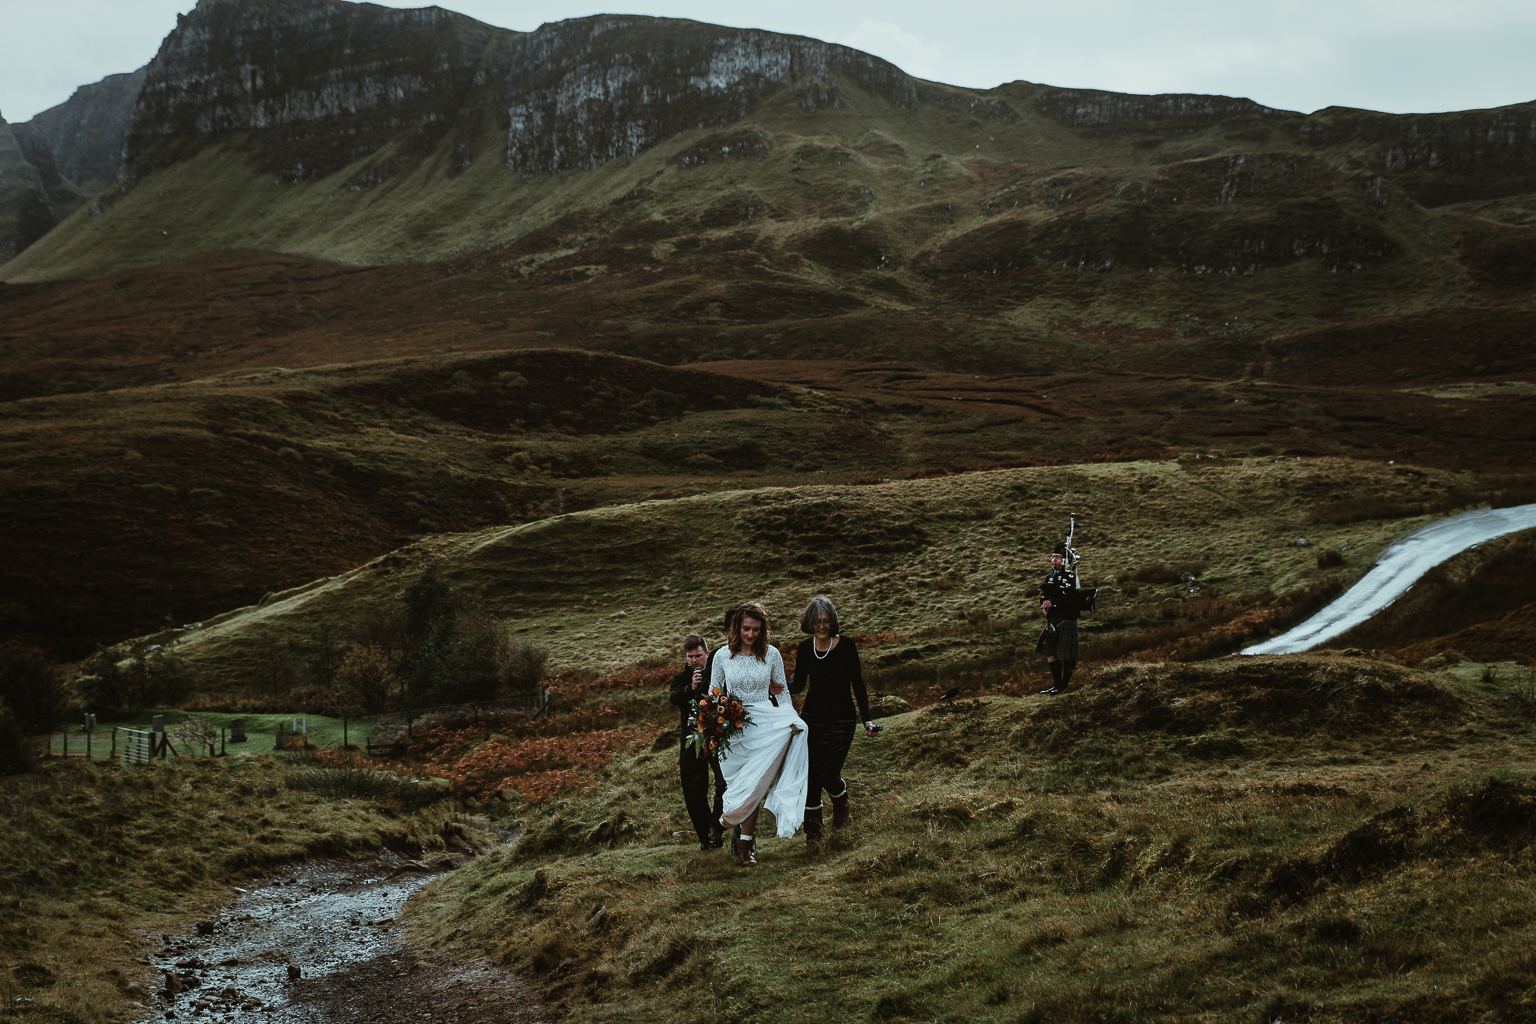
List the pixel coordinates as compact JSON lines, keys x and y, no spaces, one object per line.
{"x":321,"y":88}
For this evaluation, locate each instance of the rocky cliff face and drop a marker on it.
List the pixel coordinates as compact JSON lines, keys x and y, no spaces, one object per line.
{"x":1441,"y":158}
{"x":335,"y":81}
{"x":33,"y":195}
{"x":329,"y":81}
{"x":583,"y":92}
{"x":87,"y":133}
{"x":1090,"y":108}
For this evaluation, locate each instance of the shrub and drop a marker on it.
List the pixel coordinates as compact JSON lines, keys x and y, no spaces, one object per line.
{"x":15,"y":751}
{"x":150,"y":677}
{"x":31,"y":689}
{"x":365,"y":680}
{"x":102,"y":683}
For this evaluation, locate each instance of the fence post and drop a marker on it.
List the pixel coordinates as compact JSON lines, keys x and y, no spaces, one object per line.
{"x":344,"y":743}
{"x":222,"y":750}
{"x":113,"y":755}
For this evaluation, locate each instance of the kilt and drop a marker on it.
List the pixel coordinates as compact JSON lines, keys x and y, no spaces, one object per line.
{"x":1060,"y":642}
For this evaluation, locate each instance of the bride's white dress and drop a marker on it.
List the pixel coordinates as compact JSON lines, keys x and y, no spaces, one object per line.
{"x":764,"y":759}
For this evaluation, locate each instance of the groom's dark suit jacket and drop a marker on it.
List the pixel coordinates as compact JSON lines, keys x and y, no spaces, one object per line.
{"x":681,"y":694}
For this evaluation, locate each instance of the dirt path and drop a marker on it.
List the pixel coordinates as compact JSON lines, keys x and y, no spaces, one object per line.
{"x":332,"y":923}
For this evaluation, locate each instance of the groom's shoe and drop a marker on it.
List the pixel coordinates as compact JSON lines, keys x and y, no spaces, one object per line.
{"x":716,"y":838}
{"x":813,"y":833}
{"x":841,"y":815}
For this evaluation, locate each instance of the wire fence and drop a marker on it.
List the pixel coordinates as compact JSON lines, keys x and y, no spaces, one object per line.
{"x":109,"y":743}
{"x":372,"y":733}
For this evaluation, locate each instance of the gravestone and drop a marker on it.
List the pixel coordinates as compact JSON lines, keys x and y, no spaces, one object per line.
{"x":237,"y":730}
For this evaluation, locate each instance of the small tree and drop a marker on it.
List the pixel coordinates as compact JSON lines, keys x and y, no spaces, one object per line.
{"x":102,"y":683}
{"x":165,"y":678}
{"x":196,"y":734}
{"x":275,"y":663}
{"x":364,"y":681}
{"x":523,"y":666}
{"x":323,"y":655}
{"x":32,"y":689}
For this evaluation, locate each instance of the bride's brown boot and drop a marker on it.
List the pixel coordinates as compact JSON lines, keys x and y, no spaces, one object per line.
{"x":813,"y":833}
{"x":841,"y":816}
{"x":744,"y":855}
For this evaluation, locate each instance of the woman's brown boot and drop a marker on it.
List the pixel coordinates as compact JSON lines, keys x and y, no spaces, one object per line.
{"x":744,"y":855}
{"x":840,"y":813}
{"x":813,"y":828}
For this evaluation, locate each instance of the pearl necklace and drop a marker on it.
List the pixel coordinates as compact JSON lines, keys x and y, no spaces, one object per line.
{"x":819,"y":655}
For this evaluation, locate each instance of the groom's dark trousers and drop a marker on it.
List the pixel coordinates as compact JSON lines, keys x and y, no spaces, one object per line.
{"x":693,"y":771}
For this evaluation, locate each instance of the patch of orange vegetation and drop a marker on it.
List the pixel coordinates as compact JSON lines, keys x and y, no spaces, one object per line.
{"x":538,"y":768}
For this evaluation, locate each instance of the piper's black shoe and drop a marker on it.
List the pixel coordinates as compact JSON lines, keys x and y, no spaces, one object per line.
{"x":1053,"y":691}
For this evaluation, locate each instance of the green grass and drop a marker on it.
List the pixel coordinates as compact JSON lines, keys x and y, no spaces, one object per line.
{"x":1163,"y":845}
{"x":261,"y":731}
{"x":918,"y":562}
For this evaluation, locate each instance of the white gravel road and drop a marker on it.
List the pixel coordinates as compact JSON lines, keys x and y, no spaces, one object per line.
{"x":1398,"y":568}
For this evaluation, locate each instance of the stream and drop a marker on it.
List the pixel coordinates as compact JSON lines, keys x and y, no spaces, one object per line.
{"x":1398,"y":568}
{"x":317,"y":944}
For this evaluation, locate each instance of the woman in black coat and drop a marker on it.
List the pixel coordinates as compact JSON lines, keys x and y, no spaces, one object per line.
{"x":829,"y":664}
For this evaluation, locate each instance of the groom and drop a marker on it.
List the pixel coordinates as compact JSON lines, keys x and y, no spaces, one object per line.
{"x":693,"y":771}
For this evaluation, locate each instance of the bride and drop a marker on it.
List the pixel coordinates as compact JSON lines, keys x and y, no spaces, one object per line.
{"x":767,"y":762}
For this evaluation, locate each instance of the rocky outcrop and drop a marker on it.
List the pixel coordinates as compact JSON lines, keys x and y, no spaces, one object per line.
{"x":331,"y":82}
{"x":1469,"y":154}
{"x":1091,"y":108}
{"x":86,"y":134}
{"x":586,"y":91}
{"x":33,"y":196}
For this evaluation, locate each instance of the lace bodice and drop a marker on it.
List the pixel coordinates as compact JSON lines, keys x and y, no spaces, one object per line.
{"x":745,"y":677}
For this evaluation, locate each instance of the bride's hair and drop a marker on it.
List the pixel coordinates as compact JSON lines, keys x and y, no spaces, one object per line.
{"x":750,"y":610}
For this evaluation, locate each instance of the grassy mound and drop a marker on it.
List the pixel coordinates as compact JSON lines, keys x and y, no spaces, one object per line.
{"x":1259,"y":837}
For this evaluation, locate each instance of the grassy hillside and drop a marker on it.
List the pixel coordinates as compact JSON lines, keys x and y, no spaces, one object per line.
{"x":129,"y":508}
{"x":1325,"y":834}
{"x":1280,"y":837}
{"x":607,"y":587}
{"x":861,"y":231}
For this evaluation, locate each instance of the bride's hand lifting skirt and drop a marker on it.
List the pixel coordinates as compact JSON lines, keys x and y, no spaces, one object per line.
{"x":768,"y":758}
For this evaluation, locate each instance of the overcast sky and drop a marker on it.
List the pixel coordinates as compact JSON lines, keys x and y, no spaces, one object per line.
{"x":1394,"y":55}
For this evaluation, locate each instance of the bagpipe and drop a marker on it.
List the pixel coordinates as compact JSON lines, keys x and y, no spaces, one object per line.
{"x":1076,"y":598}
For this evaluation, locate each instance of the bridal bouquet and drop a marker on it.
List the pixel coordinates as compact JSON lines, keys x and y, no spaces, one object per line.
{"x":716,"y":719}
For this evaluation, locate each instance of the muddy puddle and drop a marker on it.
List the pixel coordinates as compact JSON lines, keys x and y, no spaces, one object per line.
{"x":318,"y":944}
